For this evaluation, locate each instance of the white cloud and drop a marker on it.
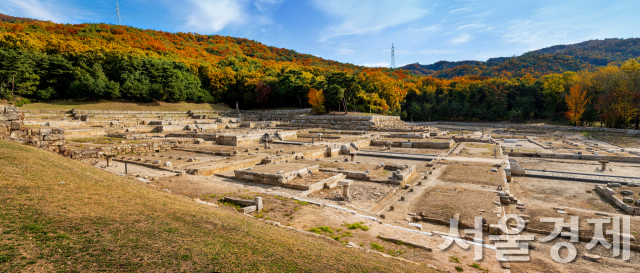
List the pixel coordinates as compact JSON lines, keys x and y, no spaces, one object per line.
{"x":476,"y":25}
{"x":267,"y":5}
{"x":344,"y":50}
{"x":432,"y":28}
{"x":461,"y":38}
{"x":461,"y":9}
{"x":361,"y":16}
{"x":213,"y":15}
{"x":40,"y":10}
{"x":380,"y":64}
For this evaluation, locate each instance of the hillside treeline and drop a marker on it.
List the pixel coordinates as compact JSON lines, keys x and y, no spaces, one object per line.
{"x":556,"y":59}
{"x":610,"y":94}
{"x":46,"y":61}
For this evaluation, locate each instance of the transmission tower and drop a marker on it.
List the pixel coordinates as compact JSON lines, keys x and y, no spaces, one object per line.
{"x":393,"y":57}
{"x":118,"y":11}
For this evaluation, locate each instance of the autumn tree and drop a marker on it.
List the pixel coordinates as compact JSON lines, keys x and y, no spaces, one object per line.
{"x":576,"y":101}
{"x":263,"y":91}
{"x":553,"y":87}
{"x":316,"y":99}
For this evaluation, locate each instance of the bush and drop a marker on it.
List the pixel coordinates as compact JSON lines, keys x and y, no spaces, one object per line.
{"x":21,"y":102}
{"x":377,"y":247}
{"x":358,"y":225}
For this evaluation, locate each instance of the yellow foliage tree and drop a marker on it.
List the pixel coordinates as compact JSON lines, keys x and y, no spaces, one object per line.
{"x":316,"y":99}
{"x":576,"y":101}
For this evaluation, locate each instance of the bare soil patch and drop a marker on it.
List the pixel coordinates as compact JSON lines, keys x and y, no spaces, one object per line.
{"x":444,"y":201}
{"x":472,"y":173}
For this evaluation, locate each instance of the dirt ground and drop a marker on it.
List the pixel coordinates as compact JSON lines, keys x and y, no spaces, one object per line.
{"x":459,"y":183}
{"x":559,"y":193}
{"x":405,"y":150}
{"x":311,"y":179}
{"x":620,"y":140}
{"x":472,"y":173}
{"x":582,"y":166}
{"x":284,"y":167}
{"x":443,"y":202}
{"x":363,"y":194}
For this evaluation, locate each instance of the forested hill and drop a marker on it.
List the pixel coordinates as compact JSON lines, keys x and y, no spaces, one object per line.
{"x":555,"y":59}
{"x":48,"y":61}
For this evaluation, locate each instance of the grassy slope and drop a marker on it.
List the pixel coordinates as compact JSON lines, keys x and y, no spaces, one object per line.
{"x":123,"y":106}
{"x":99,"y":221}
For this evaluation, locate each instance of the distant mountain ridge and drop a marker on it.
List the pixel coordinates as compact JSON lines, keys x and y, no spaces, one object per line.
{"x":555,"y":59}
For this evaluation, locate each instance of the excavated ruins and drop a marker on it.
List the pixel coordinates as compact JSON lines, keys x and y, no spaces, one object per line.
{"x":406,"y":181}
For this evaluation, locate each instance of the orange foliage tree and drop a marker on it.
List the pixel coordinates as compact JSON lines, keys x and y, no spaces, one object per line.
{"x":576,"y":101}
{"x":316,"y":99}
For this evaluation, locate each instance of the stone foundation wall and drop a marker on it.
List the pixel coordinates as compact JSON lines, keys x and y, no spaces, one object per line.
{"x":46,"y":138}
{"x":99,"y":152}
{"x":634,"y":159}
{"x":251,"y":139}
{"x":225,"y":167}
{"x":607,"y":193}
{"x":415,"y":144}
{"x":277,"y":179}
{"x":255,"y":115}
{"x":337,"y":122}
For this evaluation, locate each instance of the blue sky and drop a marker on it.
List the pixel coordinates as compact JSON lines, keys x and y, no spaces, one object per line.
{"x":361,"y":31}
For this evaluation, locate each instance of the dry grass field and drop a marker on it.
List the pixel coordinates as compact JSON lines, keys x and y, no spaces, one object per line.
{"x":122,"y":106}
{"x":98,"y":221}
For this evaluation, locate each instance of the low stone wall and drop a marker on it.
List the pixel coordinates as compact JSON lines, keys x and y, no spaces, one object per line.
{"x":607,"y":193}
{"x":82,"y":133}
{"x":46,"y":138}
{"x":338,"y":122}
{"x":634,"y":159}
{"x":250,"y":139}
{"x":255,"y":115}
{"x":408,"y":135}
{"x":277,"y":179}
{"x":206,"y":137}
{"x":351,"y":174}
{"x":156,"y":146}
{"x":328,"y":183}
{"x":170,"y":128}
{"x":225,"y":167}
{"x":472,"y":139}
{"x":537,"y":127}
{"x":405,"y":173}
{"x":447,"y":144}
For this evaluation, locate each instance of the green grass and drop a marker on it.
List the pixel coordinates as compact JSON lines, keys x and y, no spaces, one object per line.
{"x":454,"y":259}
{"x":320,"y":230}
{"x":477,"y":266}
{"x":459,"y":269}
{"x":122,"y":106}
{"x":585,"y":133}
{"x":377,"y":247}
{"x":358,"y":225}
{"x":98,"y":221}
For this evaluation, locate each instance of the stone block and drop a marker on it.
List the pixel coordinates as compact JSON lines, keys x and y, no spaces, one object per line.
{"x":494,"y":229}
{"x":53,"y":137}
{"x":593,"y":258}
{"x":249,"y":209}
{"x":15,"y":125}
{"x":258,"y":203}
